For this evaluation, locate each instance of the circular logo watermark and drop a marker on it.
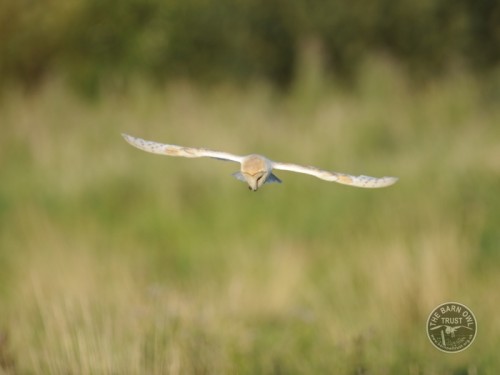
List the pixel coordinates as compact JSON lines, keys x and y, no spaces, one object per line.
{"x":451,"y":327}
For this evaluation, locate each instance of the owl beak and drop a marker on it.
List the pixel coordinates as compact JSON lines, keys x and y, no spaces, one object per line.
{"x":253,"y":183}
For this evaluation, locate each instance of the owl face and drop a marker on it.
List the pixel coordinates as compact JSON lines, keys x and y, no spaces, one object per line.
{"x":256,"y":180}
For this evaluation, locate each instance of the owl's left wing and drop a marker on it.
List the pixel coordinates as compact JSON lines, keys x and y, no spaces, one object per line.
{"x":341,"y":178}
{"x":174,"y":150}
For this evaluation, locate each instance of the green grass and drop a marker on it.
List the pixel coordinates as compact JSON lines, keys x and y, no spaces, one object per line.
{"x":116,"y":261}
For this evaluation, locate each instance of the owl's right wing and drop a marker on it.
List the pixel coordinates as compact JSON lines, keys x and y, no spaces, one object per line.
{"x":174,"y":150}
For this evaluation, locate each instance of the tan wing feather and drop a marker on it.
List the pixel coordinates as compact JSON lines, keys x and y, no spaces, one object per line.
{"x":341,"y":178}
{"x":181,"y":151}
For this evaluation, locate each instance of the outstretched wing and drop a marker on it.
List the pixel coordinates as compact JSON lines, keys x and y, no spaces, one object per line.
{"x":341,"y":178}
{"x":173,"y":150}
{"x":436,"y":327}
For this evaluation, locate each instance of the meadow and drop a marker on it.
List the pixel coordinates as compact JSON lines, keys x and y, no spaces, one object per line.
{"x":115,"y":261}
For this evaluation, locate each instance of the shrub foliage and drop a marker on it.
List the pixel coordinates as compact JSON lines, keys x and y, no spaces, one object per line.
{"x":95,"y":40}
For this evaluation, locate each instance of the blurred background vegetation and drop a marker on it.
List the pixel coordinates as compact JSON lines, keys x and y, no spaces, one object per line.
{"x":115,"y":261}
{"x":112,"y":41}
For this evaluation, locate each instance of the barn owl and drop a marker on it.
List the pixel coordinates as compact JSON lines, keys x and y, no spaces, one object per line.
{"x":257,"y":170}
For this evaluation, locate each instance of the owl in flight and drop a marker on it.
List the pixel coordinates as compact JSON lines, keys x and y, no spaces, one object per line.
{"x":257,"y":170}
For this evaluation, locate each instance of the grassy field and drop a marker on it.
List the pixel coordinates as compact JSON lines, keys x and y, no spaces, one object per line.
{"x":115,"y":261}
